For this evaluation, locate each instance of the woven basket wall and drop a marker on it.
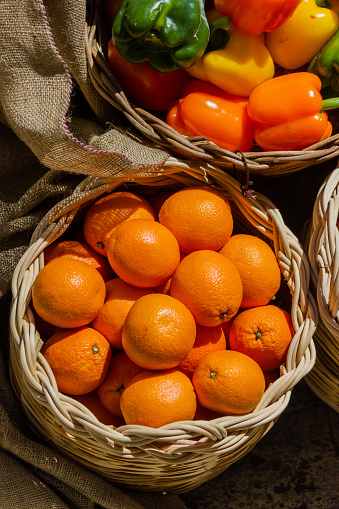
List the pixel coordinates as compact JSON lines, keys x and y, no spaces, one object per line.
{"x":323,"y":251}
{"x":182,"y":455}
{"x":154,"y":128}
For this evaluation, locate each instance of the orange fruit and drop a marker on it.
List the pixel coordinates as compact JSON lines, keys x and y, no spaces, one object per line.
{"x":226,"y":381}
{"x":264,"y":333}
{"x":157,"y":199}
{"x":120,"y":296}
{"x":92,"y":402}
{"x":226,"y":327}
{"x":44,"y":328}
{"x":159,"y":332}
{"x":208,"y":339}
{"x":165,"y":287}
{"x":257,"y":266}
{"x":205,"y":414}
{"x":79,"y":359}
{"x":157,"y":398}
{"x":80,"y":251}
{"x":199,"y":217}
{"x":108,"y":212}
{"x":143,"y":253}
{"x":68,"y":292}
{"x":121,"y":370}
{"x":271,"y":376}
{"x":209,"y":285}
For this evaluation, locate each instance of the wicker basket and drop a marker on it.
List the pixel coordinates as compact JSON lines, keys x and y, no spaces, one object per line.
{"x":182,"y":455}
{"x":154,"y":128}
{"x":323,"y":250}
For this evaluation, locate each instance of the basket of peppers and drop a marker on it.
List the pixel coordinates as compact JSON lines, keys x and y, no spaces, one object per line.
{"x":237,"y":84}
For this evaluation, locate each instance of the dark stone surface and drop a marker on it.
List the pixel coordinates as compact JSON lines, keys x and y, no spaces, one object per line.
{"x":294,"y":466}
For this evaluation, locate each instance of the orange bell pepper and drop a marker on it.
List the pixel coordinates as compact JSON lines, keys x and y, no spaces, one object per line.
{"x":257,"y":16}
{"x":287,"y":112}
{"x":206,"y":110}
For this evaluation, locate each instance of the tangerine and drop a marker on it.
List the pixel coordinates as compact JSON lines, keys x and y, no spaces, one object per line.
{"x":68,"y":292}
{"x":157,"y":398}
{"x":157,"y":199}
{"x":226,"y":381}
{"x":159,"y":332}
{"x":121,"y":370}
{"x":271,"y":376}
{"x":199,"y":217}
{"x":209,"y":285}
{"x":120,"y":296}
{"x":258,"y":268}
{"x":205,"y":414}
{"x":143,"y":253}
{"x":79,"y":359}
{"x":108,"y":212}
{"x":92,"y":402}
{"x":208,"y":339}
{"x":264,"y":333}
{"x":165,"y":287}
{"x":80,"y":251}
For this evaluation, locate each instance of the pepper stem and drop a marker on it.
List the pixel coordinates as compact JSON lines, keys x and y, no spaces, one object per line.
{"x":330,"y":104}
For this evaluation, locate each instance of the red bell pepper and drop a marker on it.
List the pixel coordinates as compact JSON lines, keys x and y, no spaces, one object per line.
{"x":287,"y":111}
{"x":206,"y":110}
{"x":146,"y":87}
{"x":257,"y":16}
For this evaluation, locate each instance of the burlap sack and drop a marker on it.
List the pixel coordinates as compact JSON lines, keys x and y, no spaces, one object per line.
{"x":54,"y":130}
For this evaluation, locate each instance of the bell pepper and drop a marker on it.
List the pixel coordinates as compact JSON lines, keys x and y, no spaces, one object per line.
{"x":326,"y":64}
{"x":206,"y":110}
{"x":143,"y":85}
{"x":167,"y":34}
{"x":329,"y":4}
{"x":302,"y":36}
{"x":243,"y":64}
{"x":287,"y":112}
{"x":257,"y":16}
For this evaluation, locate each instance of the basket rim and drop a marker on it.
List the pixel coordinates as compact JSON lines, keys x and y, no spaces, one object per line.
{"x":152,"y":127}
{"x":323,"y":253}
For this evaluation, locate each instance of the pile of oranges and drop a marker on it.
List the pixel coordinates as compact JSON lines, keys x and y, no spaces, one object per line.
{"x":159,"y":313}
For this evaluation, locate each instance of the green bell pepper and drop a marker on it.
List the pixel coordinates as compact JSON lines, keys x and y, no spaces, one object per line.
{"x":168,"y":34}
{"x":329,"y":4}
{"x":326,"y":64}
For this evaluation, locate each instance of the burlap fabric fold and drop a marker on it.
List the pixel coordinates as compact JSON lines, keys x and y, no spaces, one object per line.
{"x":54,"y":131}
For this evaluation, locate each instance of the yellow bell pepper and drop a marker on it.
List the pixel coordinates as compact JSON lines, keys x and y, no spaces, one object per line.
{"x":302,"y":36}
{"x":243,"y":64}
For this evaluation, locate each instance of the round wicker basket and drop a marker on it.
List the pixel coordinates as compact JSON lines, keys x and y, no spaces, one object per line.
{"x":155,"y":129}
{"x":323,"y":250}
{"x":180,"y":456}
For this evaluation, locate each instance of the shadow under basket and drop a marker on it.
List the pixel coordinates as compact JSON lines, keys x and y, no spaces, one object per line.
{"x":322,"y":241}
{"x":152,"y":126}
{"x":179,"y":456}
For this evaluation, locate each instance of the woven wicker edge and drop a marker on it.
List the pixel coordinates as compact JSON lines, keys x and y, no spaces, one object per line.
{"x":219,"y":442}
{"x":157,"y":131}
{"x":322,"y":242}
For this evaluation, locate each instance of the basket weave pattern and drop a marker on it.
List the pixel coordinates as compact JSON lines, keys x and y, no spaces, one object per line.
{"x":155,"y":129}
{"x":323,"y":250}
{"x":182,"y":455}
